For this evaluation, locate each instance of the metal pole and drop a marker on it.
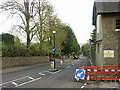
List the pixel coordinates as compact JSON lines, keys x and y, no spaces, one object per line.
{"x":54,"y":52}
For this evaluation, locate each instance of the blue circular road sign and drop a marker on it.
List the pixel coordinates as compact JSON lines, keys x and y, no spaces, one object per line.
{"x":54,"y":49}
{"x":80,"y":74}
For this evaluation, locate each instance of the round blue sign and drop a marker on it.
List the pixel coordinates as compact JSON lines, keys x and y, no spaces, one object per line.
{"x":80,"y":74}
{"x":52,"y":63}
{"x":54,"y":49}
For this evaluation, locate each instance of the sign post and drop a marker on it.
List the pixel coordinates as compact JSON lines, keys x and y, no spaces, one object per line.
{"x":54,"y":50}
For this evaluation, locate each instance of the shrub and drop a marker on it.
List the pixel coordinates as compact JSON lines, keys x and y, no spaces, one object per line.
{"x":4,"y":50}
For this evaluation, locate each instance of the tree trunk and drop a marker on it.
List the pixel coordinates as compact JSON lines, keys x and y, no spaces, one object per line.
{"x":28,"y":40}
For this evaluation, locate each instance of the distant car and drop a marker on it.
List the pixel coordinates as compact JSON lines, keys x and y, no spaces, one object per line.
{"x":75,"y":57}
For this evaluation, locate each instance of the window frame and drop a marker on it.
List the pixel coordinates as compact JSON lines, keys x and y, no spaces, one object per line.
{"x":117,"y":25}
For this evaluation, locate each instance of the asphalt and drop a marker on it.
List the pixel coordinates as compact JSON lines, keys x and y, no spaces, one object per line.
{"x":63,"y":76}
{"x":21,"y":68}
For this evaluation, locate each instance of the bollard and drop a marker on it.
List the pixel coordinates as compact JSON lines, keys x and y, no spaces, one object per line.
{"x":61,"y":63}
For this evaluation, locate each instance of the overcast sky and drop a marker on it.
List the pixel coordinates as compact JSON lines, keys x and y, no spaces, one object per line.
{"x":76,"y":13}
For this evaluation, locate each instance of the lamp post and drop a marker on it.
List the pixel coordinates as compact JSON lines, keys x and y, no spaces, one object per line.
{"x":49,"y":48}
{"x":54,"y":46}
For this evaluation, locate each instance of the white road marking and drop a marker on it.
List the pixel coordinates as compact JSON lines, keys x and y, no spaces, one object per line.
{"x":49,"y":72}
{"x":28,"y":82}
{"x":46,"y":71}
{"x":14,"y":80}
{"x":68,"y":67}
{"x":82,"y":86}
{"x":14,"y":83}
{"x":42,"y":74}
{"x":85,"y":84}
{"x":56,"y":72}
{"x":30,"y":77}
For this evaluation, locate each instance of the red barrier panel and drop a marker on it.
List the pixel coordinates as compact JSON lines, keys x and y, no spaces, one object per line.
{"x":104,"y":73}
{"x":110,"y":73}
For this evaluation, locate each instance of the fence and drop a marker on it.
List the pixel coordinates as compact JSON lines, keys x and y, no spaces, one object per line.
{"x":104,"y":73}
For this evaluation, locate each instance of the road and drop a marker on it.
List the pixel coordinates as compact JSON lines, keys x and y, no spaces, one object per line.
{"x":41,"y":77}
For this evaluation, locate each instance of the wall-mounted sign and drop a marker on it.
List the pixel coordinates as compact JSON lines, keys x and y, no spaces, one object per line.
{"x":109,"y":53}
{"x":108,"y":48}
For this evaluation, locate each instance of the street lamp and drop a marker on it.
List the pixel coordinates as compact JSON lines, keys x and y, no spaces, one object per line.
{"x":54,"y":46}
{"x":49,"y":48}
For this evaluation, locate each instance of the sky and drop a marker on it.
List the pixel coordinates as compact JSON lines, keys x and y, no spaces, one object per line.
{"x":76,"y":13}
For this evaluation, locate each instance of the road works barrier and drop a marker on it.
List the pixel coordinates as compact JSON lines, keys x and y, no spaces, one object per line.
{"x":99,"y":73}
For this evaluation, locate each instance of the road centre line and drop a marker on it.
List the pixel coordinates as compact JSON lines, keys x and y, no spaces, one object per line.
{"x":28,"y":82}
{"x":56,"y":72}
{"x":14,"y":80}
{"x":85,"y":84}
{"x":30,"y":77}
{"x":82,"y":86}
{"x":68,"y":66}
{"x":42,"y":74}
{"x":14,"y":83}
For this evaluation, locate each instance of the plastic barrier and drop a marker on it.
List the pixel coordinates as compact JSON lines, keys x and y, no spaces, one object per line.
{"x":110,"y":73}
{"x":104,"y":73}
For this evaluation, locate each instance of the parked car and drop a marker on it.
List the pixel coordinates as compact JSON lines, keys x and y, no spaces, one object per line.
{"x":75,"y":57}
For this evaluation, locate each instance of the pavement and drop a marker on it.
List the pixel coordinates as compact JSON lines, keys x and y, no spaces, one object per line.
{"x":21,"y":68}
{"x":103,"y":84}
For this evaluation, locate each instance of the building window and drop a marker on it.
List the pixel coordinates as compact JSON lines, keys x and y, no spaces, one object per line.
{"x":118,"y":24}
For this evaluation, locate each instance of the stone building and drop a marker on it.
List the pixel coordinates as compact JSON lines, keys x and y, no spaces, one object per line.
{"x":106,"y":18}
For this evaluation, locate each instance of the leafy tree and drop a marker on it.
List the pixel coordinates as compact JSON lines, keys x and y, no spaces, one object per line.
{"x":25,"y":10}
{"x":17,"y":41}
{"x":60,"y":33}
{"x":45,"y":11}
{"x":93,"y":37}
{"x":4,"y":50}
{"x":71,"y":45}
{"x":7,"y":38}
{"x":93,"y":40}
{"x":85,"y":49}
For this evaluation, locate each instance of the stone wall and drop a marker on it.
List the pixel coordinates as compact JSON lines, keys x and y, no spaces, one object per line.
{"x":22,"y":61}
{"x":110,"y":37}
{"x":99,"y":54}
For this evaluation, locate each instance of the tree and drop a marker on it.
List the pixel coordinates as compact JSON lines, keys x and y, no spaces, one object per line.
{"x":85,"y":49}
{"x":93,"y":41}
{"x":93,"y":37}
{"x":25,"y":10}
{"x":57,"y":26}
{"x":45,"y":11}
{"x":7,"y":38}
{"x":4,"y":51}
{"x":71,"y":45}
{"x":17,"y":41}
